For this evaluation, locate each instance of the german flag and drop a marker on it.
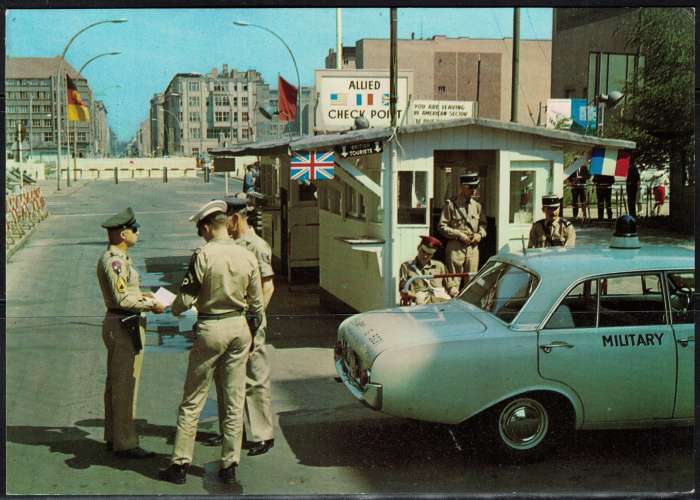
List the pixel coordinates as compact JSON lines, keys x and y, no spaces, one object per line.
{"x":77,"y":110}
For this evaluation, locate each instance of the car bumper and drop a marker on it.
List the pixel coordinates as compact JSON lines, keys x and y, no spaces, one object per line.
{"x":371,"y":396}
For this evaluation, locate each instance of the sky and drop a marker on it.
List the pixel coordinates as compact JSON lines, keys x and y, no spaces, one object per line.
{"x":156,"y":44}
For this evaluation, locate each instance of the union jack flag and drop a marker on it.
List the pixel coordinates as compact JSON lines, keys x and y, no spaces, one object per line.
{"x":310,"y":166}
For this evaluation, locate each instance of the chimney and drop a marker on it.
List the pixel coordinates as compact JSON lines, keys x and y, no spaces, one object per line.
{"x":225,"y":71}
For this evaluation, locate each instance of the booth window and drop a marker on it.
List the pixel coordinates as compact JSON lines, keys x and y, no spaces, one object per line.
{"x":412,"y":206}
{"x":329,"y":199}
{"x":522,"y":185}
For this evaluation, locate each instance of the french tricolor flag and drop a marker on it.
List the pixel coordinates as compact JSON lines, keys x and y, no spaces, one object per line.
{"x":606,"y":161}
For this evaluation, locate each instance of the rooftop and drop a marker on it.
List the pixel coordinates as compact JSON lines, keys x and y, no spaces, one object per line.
{"x":35,"y":67}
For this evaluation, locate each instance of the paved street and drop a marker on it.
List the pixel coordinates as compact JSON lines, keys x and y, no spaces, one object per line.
{"x":326,"y":442}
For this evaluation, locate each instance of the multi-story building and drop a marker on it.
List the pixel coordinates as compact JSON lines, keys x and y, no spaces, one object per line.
{"x":100,"y":130}
{"x":464,"y":69}
{"x":30,"y":104}
{"x":202,"y":112}
{"x":143,"y":139}
{"x":157,"y":119}
{"x":591,"y":54}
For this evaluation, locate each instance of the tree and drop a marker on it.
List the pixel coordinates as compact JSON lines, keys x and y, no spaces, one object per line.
{"x":659,"y":110}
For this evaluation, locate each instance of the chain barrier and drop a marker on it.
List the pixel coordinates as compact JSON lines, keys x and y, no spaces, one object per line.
{"x":23,"y":211}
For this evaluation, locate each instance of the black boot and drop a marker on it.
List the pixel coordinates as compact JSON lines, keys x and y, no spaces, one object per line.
{"x":176,"y":473}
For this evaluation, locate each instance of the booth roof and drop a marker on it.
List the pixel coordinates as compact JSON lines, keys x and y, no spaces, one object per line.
{"x":315,"y":142}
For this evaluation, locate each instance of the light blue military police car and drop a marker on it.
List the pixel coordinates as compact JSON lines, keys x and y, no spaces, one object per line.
{"x":539,"y":343}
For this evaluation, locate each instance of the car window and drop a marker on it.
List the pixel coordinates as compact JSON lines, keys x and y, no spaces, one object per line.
{"x":681,"y":288}
{"x":577,"y":309}
{"x":500,"y":289}
{"x":631,"y":300}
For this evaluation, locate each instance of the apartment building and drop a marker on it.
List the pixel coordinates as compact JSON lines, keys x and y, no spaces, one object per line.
{"x":30,"y":104}
{"x":464,"y":69}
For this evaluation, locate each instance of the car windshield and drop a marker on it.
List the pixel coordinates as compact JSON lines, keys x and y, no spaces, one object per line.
{"x":501,"y":289}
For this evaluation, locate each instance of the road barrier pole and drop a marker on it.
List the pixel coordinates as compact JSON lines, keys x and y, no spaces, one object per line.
{"x":165,"y":174}
{"x":116,"y":175}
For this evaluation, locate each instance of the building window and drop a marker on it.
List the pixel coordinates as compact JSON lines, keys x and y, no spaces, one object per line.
{"x":195,"y":151}
{"x":412,"y":206}
{"x":244,"y":133}
{"x":36,"y":108}
{"x":235,"y":101}
{"x":235,"y":118}
{"x":244,"y":101}
{"x":245,"y":88}
{"x":522,"y":183}
{"x":195,"y":133}
{"x":610,"y":71}
{"x":194,"y":116}
{"x":11,"y":109}
{"x":221,"y":100}
{"x":194,"y":101}
{"x":244,"y":117}
{"x":47,"y":123}
{"x":47,"y":108}
{"x":48,"y":136}
{"x":219,"y":87}
{"x":82,"y":136}
{"x":36,"y":123}
{"x":222,"y":116}
{"x":441,"y":89}
{"x":194,"y":86}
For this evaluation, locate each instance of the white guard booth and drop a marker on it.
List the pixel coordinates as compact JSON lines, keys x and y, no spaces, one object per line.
{"x":389,"y":189}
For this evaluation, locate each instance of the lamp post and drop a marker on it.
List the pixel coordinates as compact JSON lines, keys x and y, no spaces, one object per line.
{"x":75,"y":127}
{"x":296,"y":68}
{"x":59,"y":82}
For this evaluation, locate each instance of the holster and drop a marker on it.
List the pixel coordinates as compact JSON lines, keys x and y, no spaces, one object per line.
{"x":254,"y":321}
{"x":132,"y":325}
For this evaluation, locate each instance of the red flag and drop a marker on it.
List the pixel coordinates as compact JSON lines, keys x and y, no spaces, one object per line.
{"x":287,"y":100}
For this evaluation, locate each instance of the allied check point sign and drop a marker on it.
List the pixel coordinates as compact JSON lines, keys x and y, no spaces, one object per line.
{"x":359,"y":149}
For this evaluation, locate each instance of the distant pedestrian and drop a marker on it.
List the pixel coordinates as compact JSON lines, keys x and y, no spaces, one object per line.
{"x":123,"y":334}
{"x":633,"y":181}
{"x":224,"y":282}
{"x":603,"y":192}
{"x":249,"y":179}
{"x":659,"y":196}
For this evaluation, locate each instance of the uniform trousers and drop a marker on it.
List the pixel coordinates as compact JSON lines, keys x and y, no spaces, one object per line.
{"x":460,"y":258}
{"x":578,"y":199}
{"x":219,"y":341}
{"x":122,"y":384}
{"x":604,"y":195}
{"x":258,"y":399}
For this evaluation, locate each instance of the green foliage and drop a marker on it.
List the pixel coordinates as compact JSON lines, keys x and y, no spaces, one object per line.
{"x":658,"y":114}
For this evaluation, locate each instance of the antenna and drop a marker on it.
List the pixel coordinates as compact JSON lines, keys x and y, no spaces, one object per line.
{"x":522,"y":238}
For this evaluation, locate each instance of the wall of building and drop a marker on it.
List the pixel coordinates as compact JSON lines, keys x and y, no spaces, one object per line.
{"x":454,"y":62}
{"x":576,"y":32}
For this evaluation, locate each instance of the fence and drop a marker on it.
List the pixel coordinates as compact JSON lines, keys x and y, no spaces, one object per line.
{"x":23,"y":211}
{"x":618,"y":198}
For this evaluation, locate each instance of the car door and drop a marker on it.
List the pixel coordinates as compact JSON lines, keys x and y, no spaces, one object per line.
{"x":613,"y":345}
{"x":681,"y":289}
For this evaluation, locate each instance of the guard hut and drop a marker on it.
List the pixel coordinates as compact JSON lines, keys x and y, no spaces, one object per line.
{"x":370,"y":215}
{"x":290,"y":209}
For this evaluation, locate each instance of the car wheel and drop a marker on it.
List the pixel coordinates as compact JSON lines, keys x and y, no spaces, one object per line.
{"x":525,"y":426}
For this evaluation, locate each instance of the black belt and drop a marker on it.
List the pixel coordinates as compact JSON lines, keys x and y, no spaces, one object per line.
{"x":225,"y":315}
{"x":122,"y":312}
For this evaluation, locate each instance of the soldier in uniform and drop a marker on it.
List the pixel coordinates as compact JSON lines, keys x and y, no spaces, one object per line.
{"x":123,"y":334}
{"x":552,"y":231}
{"x":258,"y":408}
{"x":224,"y":282}
{"x":463,"y":223}
{"x":424,"y":291}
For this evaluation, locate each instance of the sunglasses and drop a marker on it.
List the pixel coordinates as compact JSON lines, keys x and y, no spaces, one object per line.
{"x":132,"y":229}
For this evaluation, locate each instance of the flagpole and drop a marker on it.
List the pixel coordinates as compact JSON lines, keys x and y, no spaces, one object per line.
{"x":58,"y":94}
{"x":294,"y":61}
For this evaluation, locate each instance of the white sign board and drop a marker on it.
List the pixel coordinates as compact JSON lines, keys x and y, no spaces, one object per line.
{"x":436,"y":111}
{"x":559,"y":113}
{"x":344,"y":95}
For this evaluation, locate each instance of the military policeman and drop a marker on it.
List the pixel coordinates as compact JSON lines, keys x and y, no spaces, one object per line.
{"x":123,"y":333}
{"x":463,"y":223}
{"x":424,"y":291}
{"x":224,"y":282}
{"x":552,"y":231}
{"x":258,"y":408}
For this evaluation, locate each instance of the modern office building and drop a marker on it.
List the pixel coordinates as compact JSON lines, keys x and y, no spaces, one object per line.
{"x":464,"y":69}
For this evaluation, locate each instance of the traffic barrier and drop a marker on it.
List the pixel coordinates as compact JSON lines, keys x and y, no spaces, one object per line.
{"x":23,"y":211}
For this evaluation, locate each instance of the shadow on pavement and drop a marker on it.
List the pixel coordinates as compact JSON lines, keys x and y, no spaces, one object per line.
{"x":87,"y":452}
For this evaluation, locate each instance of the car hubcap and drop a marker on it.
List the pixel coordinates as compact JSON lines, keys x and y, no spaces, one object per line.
{"x":523,"y":424}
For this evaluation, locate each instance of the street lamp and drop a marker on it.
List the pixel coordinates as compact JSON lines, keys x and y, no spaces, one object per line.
{"x":80,"y":72}
{"x":606,"y":101}
{"x":58,"y":95}
{"x":296,"y":68}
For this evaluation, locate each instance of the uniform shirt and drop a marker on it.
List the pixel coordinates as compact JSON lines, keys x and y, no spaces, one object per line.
{"x":579,"y":177}
{"x":261,"y":250}
{"x":557,"y":234}
{"x":422,"y":288}
{"x":461,"y":216}
{"x":222,"y":277}
{"x":119,"y":282}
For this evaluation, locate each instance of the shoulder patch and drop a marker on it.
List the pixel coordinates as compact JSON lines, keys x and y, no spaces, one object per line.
{"x":117,"y":266}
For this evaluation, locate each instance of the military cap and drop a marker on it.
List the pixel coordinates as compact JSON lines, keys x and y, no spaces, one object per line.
{"x":430,"y":244}
{"x":209,"y":208}
{"x":469,"y":179}
{"x":236,"y":203}
{"x":550,"y":200}
{"x":125,"y":218}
